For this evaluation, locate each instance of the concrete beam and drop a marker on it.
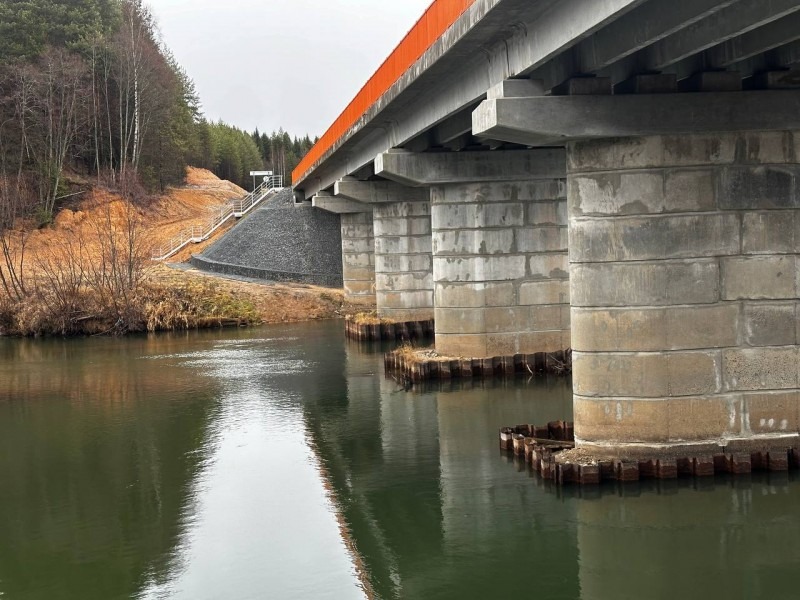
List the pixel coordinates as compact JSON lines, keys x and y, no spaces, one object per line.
{"x":452,"y":128}
{"x":429,"y":169}
{"x":723,"y":25}
{"x":378,"y":192}
{"x":339,"y":206}
{"x":775,"y":34}
{"x":457,"y":71}
{"x":640,"y":28}
{"x":551,"y":120}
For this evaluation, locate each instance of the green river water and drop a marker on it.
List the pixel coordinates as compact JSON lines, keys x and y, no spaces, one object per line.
{"x":279,"y":462}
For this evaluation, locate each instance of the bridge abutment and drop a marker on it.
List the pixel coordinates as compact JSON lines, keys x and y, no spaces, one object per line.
{"x":684,"y":288}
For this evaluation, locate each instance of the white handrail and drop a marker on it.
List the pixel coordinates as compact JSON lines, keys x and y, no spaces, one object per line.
{"x":234,"y":208}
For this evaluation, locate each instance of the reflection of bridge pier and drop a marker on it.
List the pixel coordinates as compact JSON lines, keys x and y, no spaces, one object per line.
{"x":482,"y":499}
{"x":731,"y":540}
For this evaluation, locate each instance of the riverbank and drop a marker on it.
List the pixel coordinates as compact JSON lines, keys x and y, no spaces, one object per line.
{"x":90,"y":271}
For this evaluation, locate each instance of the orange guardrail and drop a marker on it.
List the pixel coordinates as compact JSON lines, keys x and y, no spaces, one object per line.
{"x":430,"y":27}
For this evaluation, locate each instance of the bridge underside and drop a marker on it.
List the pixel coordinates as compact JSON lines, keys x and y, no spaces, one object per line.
{"x":619,"y":178}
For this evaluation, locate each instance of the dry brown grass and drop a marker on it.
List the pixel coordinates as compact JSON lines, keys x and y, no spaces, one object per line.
{"x":62,"y":301}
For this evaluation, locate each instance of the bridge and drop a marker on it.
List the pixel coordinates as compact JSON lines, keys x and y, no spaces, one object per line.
{"x":619,"y":177}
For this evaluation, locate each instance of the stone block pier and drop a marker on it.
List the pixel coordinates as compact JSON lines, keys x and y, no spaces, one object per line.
{"x":615,"y":181}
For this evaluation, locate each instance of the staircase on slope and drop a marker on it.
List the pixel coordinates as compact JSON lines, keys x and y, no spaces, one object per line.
{"x":234,"y":209}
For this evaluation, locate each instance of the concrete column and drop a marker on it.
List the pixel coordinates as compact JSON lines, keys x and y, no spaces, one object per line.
{"x":500,"y":268}
{"x":358,"y":256}
{"x":684,"y":289}
{"x":403,"y":264}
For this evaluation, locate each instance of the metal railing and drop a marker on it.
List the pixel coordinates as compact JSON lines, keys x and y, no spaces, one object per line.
{"x":233,"y":209}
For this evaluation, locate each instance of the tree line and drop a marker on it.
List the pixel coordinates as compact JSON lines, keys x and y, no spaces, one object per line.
{"x":87,"y":86}
{"x":89,"y":95}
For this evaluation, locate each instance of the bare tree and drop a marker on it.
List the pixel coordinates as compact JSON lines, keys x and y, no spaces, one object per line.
{"x":61,"y":89}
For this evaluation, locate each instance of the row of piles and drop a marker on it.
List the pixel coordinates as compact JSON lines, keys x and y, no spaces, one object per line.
{"x":418,"y":368}
{"x":542,"y":447}
{"x":376,"y":332}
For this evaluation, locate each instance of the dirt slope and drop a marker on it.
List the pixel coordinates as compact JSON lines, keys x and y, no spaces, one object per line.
{"x":191,"y":204}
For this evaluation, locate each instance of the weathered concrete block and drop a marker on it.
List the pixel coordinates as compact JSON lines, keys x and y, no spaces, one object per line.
{"x":766,"y":147}
{"x":483,"y":345}
{"x":358,"y":260}
{"x":407,"y":300}
{"x":702,"y":149}
{"x":404,"y":314}
{"x":499,"y":192}
{"x":654,"y":329}
{"x":757,"y":188}
{"x":694,"y":373}
{"x":541,"y":239}
{"x":760,"y":368}
{"x":362,"y":288}
{"x":359,"y":273}
{"x":645,"y":238}
{"x":468,"y":346}
{"x":549,"y":266}
{"x":646,"y":283}
{"x":403,"y":245}
{"x":704,"y":417}
{"x":615,"y":421}
{"x":357,"y":245}
{"x":402,"y":263}
{"x":357,"y":231}
{"x":395,"y":282}
{"x":460,"y":320}
{"x":401,"y":210}
{"x":547,"y":318}
{"x":770,"y":232}
{"x":625,"y":153}
{"x":544,"y":292}
{"x":663,"y":420}
{"x":526,"y":342}
{"x":759,"y":278}
{"x":471,"y":241}
{"x":546,"y":213}
{"x":689,"y":190}
{"x":475,"y":295}
{"x":411,"y":226}
{"x":473,"y":216}
{"x":772,"y":412}
{"x":651,"y":375}
{"x":507,"y":319}
{"x":770,"y":324}
{"x":479,"y":268}
{"x":616,"y":194}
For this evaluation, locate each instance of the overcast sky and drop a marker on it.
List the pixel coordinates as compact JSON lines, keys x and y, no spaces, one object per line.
{"x":282,"y":63}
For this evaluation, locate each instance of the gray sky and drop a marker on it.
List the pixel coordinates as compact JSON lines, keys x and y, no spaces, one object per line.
{"x":282,"y":63}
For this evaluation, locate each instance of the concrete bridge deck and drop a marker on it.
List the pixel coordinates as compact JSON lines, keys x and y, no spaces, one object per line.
{"x":615,"y":176}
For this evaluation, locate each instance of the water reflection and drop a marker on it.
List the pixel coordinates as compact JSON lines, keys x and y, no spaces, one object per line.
{"x":281,"y":463}
{"x":95,"y":463}
{"x":416,"y":476}
{"x":261,"y":521}
{"x":728,"y":538}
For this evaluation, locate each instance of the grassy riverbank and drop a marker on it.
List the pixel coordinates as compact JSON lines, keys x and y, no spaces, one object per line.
{"x":90,"y":272}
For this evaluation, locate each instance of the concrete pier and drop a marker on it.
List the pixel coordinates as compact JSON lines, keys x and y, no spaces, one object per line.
{"x":358,"y":256}
{"x":500,"y":268}
{"x":684,"y":290}
{"x":403,"y":262}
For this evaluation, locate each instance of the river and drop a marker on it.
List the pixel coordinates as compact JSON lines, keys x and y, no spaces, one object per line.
{"x":279,"y":462}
